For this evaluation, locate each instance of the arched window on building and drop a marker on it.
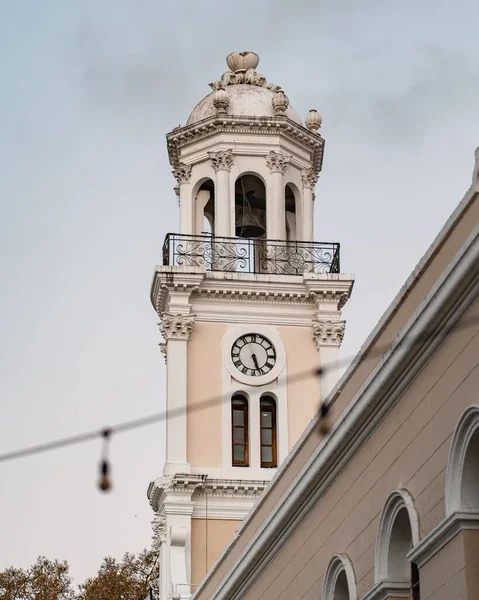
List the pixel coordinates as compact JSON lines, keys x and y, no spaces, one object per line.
{"x":268,"y":441}
{"x":239,"y":431}
{"x":398,"y":533}
{"x":290,"y":206}
{"x":339,"y":581}
{"x":462,"y":475}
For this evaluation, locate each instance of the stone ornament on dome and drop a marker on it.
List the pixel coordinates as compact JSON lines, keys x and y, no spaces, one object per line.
{"x":242,"y":67}
{"x":313,"y":120}
{"x":280,"y":102}
{"x":221,"y":101}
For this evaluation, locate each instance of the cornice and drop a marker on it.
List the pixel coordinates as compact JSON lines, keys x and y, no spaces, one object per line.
{"x":449,"y":299}
{"x":441,"y":535}
{"x":278,"y":125}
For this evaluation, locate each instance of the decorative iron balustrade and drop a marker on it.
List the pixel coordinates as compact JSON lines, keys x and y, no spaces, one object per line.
{"x":239,"y":255}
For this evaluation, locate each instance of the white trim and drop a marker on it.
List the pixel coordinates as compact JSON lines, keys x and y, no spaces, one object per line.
{"x":466,"y":427}
{"x":441,"y":535}
{"x":268,"y":332}
{"x":451,"y":296}
{"x":338,"y":564}
{"x":396,"y":501}
{"x":389,"y":589}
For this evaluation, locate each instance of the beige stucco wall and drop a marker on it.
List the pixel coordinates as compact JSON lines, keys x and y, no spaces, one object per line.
{"x":303,"y":394}
{"x":204,"y":382}
{"x":207,"y":541}
{"x":409,"y":450}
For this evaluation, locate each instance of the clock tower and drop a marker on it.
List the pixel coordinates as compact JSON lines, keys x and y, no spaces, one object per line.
{"x":247,"y":302}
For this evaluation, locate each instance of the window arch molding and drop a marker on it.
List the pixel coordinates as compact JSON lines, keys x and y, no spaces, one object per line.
{"x":462,"y":488}
{"x":340,"y":572}
{"x":396,"y":502}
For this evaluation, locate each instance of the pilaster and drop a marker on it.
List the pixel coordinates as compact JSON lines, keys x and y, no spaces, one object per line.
{"x":275,"y":205}
{"x":183,"y":174}
{"x":328,"y":336}
{"x":309,"y":179}
{"x":222,"y":162}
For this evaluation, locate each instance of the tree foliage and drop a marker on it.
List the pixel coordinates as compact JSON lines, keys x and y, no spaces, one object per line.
{"x":132,"y":578}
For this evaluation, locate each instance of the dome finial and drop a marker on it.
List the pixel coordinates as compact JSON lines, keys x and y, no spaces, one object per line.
{"x":313,"y":120}
{"x":242,"y":61}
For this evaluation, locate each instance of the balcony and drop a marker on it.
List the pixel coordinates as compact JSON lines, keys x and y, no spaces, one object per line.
{"x":240,"y":255}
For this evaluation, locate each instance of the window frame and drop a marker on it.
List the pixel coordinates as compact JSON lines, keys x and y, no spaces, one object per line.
{"x":268,"y":403}
{"x":241,"y":404}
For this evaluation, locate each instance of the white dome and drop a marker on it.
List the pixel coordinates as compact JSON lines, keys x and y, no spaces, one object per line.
{"x":244,"y":100}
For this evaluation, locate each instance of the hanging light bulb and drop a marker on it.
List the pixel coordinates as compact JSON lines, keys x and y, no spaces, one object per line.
{"x":104,"y":483}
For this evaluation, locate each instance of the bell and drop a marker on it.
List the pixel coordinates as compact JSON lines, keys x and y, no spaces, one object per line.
{"x":249,"y":221}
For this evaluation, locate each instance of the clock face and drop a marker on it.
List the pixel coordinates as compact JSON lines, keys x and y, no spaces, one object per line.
{"x":253,"y":355}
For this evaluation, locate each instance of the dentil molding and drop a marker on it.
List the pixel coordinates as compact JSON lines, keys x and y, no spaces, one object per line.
{"x":222,"y":160}
{"x":328,"y":333}
{"x":182,"y":173}
{"x":176,"y":327}
{"x":277,"y":161}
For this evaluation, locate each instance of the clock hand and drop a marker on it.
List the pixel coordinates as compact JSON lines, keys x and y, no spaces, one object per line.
{"x":255,"y":360}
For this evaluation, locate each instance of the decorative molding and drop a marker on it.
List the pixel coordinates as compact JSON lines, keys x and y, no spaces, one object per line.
{"x":460,"y":488}
{"x":389,"y":589}
{"x":222,"y":160}
{"x":176,"y":327}
{"x":309,"y":177}
{"x":159,"y":529}
{"x":156,"y":489}
{"x":339,"y":564}
{"x":246,"y":76}
{"x":441,"y":535}
{"x":395,"y":502}
{"x":328,"y":333}
{"x":277,"y":161}
{"x":164,"y":350}
{"x":280,"y":125}
{"x":182,"y":173}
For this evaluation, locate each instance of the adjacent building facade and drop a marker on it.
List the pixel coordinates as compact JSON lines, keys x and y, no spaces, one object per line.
{"x":387,"y":504}
{"x":249,"y":307}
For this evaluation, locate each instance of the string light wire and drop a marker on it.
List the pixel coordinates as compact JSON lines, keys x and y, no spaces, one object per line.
{"x":202,"y":405}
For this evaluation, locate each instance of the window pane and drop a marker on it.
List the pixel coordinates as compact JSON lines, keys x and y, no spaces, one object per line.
{"x":238,"y":416}
{"x":266,"y":454}
{"x":238,"y":453}
{"x":238,"y":435}
{"x":266,"y":419}
{"x":267,"y":436}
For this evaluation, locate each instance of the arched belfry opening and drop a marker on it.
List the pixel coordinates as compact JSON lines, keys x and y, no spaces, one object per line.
{"x":290,"y":208}
{"x":250,"y":207}
{"x":205,"y":208}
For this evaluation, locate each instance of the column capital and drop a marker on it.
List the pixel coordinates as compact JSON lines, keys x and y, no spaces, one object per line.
{"x":222,"y":160}
{"x":176,"y":327}
{"x":182,"y":173}
{"x":328,"y":333}
{"x":277,"y":161}
{"x":309,"y":178}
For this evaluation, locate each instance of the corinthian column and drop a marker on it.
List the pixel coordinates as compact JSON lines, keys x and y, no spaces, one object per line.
{"x":222,"y":163}
{"x":176,"y":330}
{"x":309,"y":179}
{"x":183,"y":174}
{"x":275,"y":204}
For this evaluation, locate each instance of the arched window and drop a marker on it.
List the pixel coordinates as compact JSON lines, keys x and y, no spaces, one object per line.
{"x":339,"y":581}
{"x":398,"y":533}
{"x":462,"y":475}
{"x":239,"y":430}
{"x":268,"y":432}
{"x":250,"y":207}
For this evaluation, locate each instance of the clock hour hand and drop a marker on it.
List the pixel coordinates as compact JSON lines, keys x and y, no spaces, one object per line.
{"x":255,"y":360}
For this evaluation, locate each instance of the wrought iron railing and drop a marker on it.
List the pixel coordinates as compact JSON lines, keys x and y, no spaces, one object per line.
{"x":275,"y":257}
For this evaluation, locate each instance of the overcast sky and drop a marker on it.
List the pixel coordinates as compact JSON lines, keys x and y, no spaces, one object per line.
{"x":88,"y":91}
